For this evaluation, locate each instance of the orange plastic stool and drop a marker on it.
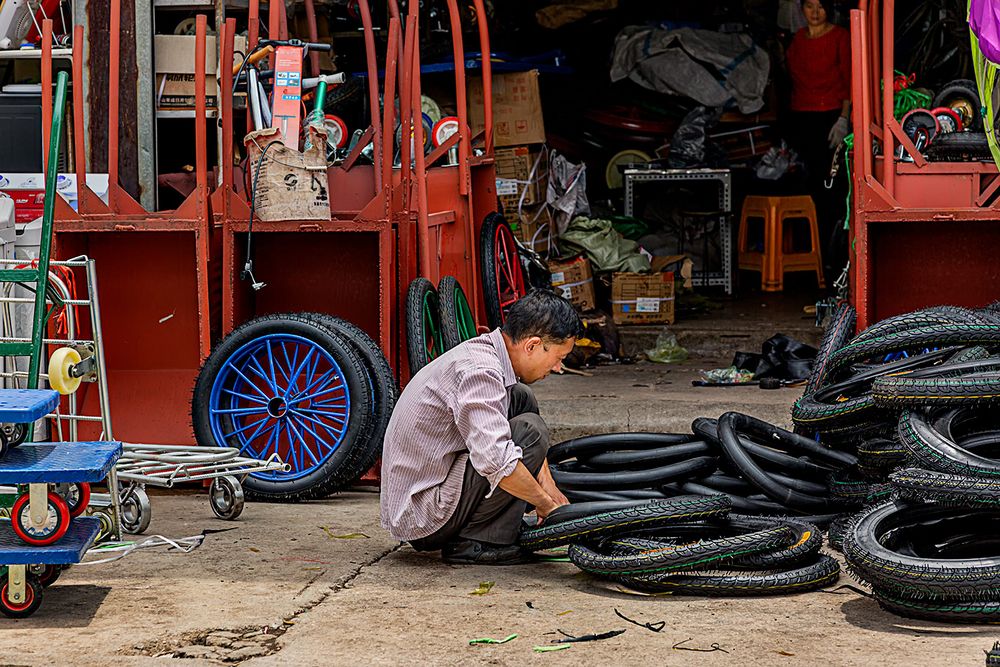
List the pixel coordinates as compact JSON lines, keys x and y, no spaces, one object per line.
{"x":778,"y":257}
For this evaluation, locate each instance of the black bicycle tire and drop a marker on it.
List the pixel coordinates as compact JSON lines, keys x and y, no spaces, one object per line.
{"x":554,"y":533}
{"x":918,"y":485}
{"x":952,"y":579}
{"x":980,"y":389}
{"x":806,"y":545}
{"x":595,"y":559}
{"x":935,"y":451}
{"x":933,"y":316}
{"x":971,"y":611}
{"x":838,"y":332}
{"x":913,"y":339}
{"x":813,"y":576}
{"x":581,"y":496}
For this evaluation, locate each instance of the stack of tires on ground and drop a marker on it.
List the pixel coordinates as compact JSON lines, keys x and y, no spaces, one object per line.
{"x":897,"y":449}
{"x":916,"y":395}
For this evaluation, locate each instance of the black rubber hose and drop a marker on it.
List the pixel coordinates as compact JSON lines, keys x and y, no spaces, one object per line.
{"x":581,"y":495}
{"x":641,"y":459}
{"x":595,"y":444}
{"x":767,"y":455}
{"x":633,"y":479}
{"x":732,"y":423}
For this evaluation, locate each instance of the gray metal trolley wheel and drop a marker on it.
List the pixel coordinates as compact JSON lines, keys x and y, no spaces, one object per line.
{"x":226,"y":497}
{"x":136,"y":511}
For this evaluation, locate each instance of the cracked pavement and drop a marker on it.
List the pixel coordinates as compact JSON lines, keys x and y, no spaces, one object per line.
{"x":322,"y":584}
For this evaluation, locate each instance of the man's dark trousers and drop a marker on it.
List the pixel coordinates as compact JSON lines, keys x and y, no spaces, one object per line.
{"x":496,"y":519}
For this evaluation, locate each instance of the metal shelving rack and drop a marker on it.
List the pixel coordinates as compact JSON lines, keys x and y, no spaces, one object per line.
{"x":723,"y":276}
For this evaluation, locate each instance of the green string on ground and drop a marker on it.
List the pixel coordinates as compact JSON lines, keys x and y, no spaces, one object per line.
{"x":548,"y":649}
{"x":490,"y":640}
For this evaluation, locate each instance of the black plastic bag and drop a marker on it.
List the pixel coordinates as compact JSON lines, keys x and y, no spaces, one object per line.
{"x":781,"y":357}
{"x":690,"y":146}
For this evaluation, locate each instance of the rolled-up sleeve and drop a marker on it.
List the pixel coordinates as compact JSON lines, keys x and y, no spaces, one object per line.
{"x":480,"y":415}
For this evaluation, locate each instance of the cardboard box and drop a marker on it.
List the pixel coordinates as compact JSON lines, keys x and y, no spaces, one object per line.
{"x":291,"y":185}
{"x":642,"y":298}
{"x":575,"y":281}
{"x":534,"y":229}
{"x":517,"y":108}
{"x":522,"y":178}
{"x":173,"y":56}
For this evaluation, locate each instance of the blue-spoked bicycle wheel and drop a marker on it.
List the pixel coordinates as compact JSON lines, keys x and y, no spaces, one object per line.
{"x":287,"y":385}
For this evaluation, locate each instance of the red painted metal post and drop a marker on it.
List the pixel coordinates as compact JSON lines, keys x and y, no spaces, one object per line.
{"x":461,"y":104}
{"x":373,"y":90}
{"x":201,"y":159}
{"x":79,"y":145}
{"x":273,"y":24}
{"x":253,"y":23}
{"x":873,"y":56}
{"x":888,"y":144}
{"x":484,"y":47}
{"x":114,"y":63}
{"x":226,"y":109}
{"x":46,"y":66}
{"x":388,"y":110}
{"x":423,"y":226}
{"x":405,"y":115}
{"x":310,"y":9}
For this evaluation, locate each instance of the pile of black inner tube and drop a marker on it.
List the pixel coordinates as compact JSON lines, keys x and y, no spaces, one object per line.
{"x":896,"y":450}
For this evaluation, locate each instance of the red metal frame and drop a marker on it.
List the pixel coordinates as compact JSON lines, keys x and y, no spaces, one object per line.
{"x":924,"y":233}
{"x":170,"y":280}
{"x":154,"y":266}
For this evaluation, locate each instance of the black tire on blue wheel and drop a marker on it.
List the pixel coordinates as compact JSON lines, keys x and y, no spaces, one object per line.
{"x":380,"y":378}
{"x":287,"y":384}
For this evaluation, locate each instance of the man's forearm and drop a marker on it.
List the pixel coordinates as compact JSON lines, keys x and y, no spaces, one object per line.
{"x":521,"y":484}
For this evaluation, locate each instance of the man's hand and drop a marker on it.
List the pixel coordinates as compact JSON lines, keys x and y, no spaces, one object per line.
{"x":549,"y":485}
{"x":543,"y":511}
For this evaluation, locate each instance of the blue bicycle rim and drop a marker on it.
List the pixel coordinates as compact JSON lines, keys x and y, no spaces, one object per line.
{"x":283,"y":394}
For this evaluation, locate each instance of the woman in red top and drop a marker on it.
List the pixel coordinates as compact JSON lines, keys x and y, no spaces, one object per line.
{"x":819,"y":63}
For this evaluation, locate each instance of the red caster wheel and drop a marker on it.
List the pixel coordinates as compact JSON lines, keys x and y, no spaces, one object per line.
{"x":27,"y":607}
{"x":51,"y":531}
{"x":76,"y":495}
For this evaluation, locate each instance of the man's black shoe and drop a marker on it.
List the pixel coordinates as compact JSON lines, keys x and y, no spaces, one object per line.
{"x":471,"y":552}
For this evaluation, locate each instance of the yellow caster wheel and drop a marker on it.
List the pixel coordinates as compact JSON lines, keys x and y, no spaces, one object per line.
{"x":60,"y":368}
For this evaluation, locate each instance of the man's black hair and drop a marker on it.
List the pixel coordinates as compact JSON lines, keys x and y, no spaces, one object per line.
{"x":544,"y":314}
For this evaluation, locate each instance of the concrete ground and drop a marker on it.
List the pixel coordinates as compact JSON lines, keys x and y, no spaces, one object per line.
{"x":323,"y":584}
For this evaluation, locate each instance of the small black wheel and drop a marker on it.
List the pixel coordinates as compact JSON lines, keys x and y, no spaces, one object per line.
{"x":14,"y":433}
{"x":22,"y":608}
{"x":457,"y":322}
{"x":962,"y":97}
{"x":423,"y":330}
{"x":226,"y":497}
{"x":136,"y":511}
{"x":47,"y":574}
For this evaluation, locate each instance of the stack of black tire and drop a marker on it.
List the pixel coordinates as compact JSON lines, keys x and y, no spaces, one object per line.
{"x":688,"y":545}
{"x":913,"y":397}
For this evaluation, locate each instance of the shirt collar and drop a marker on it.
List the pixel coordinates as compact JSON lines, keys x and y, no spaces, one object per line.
{"x":496,"y":338}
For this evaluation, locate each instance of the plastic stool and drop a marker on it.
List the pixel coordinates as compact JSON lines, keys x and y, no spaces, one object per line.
{"x":777,"y":257}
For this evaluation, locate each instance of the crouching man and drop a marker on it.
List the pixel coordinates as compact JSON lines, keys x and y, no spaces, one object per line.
{"x":467,"y":424}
